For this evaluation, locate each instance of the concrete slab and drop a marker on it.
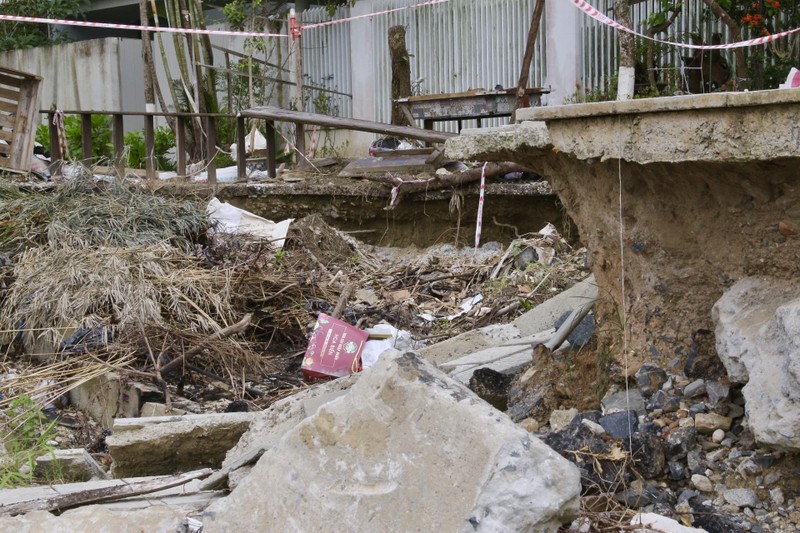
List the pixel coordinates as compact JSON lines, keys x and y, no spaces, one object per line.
{"x":73,"y":465}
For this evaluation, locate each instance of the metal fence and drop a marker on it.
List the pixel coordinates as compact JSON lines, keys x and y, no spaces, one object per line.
{"x":454,"y":47}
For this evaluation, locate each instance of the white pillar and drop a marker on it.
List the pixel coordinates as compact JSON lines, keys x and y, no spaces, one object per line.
{"x":564,"y":58}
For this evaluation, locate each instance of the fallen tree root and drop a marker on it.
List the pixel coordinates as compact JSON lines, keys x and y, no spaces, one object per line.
{"x":401,"y":187}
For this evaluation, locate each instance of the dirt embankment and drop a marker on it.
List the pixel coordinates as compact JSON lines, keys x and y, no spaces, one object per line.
{"x":688,"y":231}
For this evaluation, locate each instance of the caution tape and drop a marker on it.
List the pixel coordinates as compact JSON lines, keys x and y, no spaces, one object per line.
{"x":591,"y":11}
{"x":134,"y":27}
{"x":368,"y":15}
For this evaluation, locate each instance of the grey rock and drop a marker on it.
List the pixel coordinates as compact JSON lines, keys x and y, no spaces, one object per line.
{"x":695,"y":388}
{"x":69,"y":465}
{"x":777,"y":496}
{"x":561,"y":417}
{"x":735,"y":411}
{"x":602,"y":472}
{"x":697,"y":408}
{"x":757,"y":321}
{"x":664,"y":401}
{"x":677,"y":470}
{"x":623,"y":401}
{"x":525,"y":257}
{"x":647,"y":452}
{"x":583,"y":332}
{"x":771,"y":478}
{"x":717,"y":391}
{"x":620,"y":425}
{"x":679,"y":442}
{"x":391,"y":455}
{"x":702,"y":483}
{"x":696,"y":461}
{"x":741,"y":497}
{"x":649,"y":379}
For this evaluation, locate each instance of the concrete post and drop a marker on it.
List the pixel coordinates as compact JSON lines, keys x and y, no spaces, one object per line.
{"x":563,"y":26}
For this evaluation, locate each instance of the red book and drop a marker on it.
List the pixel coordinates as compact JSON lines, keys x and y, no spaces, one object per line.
{"x":334,"y":349}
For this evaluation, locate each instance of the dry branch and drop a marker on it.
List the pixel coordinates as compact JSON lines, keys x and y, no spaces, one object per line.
{"x":221,"y":334}
{"x":402,"y":187}
{"x":63,"y":502}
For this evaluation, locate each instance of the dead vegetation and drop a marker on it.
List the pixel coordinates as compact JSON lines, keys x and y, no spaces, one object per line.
{"x":98,"y":276}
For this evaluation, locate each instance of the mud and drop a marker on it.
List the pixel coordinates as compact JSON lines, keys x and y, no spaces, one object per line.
{"x":422,"y":220}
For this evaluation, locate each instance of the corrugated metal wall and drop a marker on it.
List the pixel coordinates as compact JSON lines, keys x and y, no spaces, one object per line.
{"x":457,"y":46}
{"x":454,"y":47}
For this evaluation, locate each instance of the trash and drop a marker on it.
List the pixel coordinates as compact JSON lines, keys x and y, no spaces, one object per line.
{"x":792,"y":80}
{"x":254,"y":142}
{"x":390,"y":144}
{"x":383,"y":337}
{"x":333,"y":350}
{"x":228,"y":218}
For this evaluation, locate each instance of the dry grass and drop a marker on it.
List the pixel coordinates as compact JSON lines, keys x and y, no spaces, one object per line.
{"x":58,"y":289}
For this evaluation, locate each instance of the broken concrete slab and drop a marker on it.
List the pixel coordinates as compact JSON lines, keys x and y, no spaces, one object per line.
{"x":71,"y":465}
{"x":159,"y":409}
{"x":99,"y":519}
{"x":109,"y":396}
{"x":757,"y":324}
{"x":165,"y":445}
{"x":407,"y":449}
{"x":506,"y":347}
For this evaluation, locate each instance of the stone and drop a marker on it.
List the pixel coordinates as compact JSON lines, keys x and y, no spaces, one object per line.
{"x":621,"y":424}
{"x":109,"y":396}
{"x":624,"y":401}
{"x":718,"y":435}
{"x":169,"y":444}
{"x":594,"y":427}
{"x":679,"y":442}
{"x":741,"y":497}
{"x":407,"y":448}
{"x":771,"y":478}
{"x":695,"y":388}
{"x":154,"y":518}
{"x":561,"y":417}
{"x":647,"y":452}
{"x":651,"y":522}
{"x":776,"y":495}
{"x":707,"y":423}
{"x":597,"y":470}
{"x":69,"y":465}
{"x":649,"y":379}
{"x":159,"y":409}
{"x":717,"y":392}
{"x":757,"y":320}
{"x":696,"y":461}
{"x":702,"y":483}
{"x":664,"y":401}
{"x":677,"y":470}
{"x":583,"y":332}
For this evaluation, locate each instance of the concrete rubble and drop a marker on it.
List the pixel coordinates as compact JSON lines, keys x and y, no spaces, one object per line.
{"x":758,"y":320}
{"x":389,"y":456}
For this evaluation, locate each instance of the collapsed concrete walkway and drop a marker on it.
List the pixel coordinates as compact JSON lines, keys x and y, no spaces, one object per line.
{"x":709,"y":194}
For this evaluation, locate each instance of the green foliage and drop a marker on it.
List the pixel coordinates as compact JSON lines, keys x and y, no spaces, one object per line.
{"x":102,"y":145}
{"x":25,"y":433}
{"x":15,"y":35}
{"x":164,"y":141}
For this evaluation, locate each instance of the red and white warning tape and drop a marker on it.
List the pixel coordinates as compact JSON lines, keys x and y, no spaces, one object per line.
{"x":385,"y":12}
{"x":595,"y":14}
{"x":481,"y":197}
{"x":134,"y":27}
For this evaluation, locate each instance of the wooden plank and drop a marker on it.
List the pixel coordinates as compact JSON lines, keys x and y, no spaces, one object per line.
{"x":272,"y":148}
{"x":211,"y":150}
{"x":8,"y":94}
{"x":299,"y":117}
{"x":56,"y":157}
{"x":149,"y":149}
{"x":7,"y":121}
{"x":10,"y":80}
{"x":86,"y":137}
{"x":7,"y":135}
{"x":8,"y":107}
{"x":118,"y":138}
{"x":241,"y":156}
{"x":180,"y":145}
{"x":26,"y":122}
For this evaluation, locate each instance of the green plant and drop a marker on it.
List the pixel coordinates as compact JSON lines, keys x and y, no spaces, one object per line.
{"x":16,"y":35}
{"x":26,"y":435}
{"x":102,"y":146}
{"x":164,"y":141}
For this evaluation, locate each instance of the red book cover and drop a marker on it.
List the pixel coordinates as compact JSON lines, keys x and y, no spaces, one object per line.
{"x":334,"y":349}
